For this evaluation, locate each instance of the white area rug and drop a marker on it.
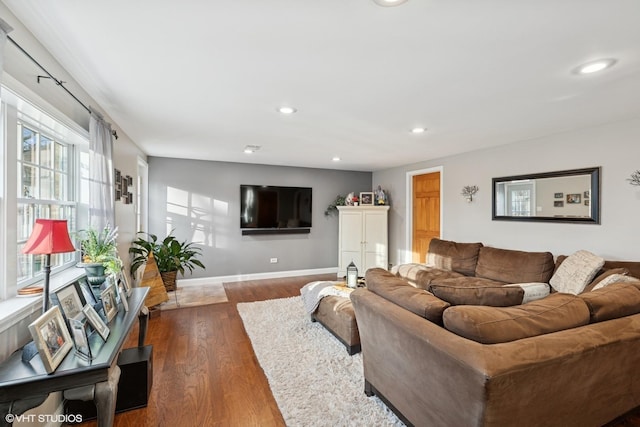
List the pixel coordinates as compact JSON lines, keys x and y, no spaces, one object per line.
{"x":313,"y":379}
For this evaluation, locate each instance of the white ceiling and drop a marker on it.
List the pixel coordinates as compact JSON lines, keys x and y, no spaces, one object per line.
{"x":202,"y":79}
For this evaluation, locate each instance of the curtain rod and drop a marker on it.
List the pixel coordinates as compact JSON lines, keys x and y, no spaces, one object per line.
{"x":50,"y":76}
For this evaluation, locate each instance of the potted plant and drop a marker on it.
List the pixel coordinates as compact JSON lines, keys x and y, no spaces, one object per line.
{"x":332,"y":208}
{"x":100,"y":254}
{"x":171,"y":255}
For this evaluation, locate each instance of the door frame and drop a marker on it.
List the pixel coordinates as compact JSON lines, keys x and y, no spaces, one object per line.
{"x":409,"y":214}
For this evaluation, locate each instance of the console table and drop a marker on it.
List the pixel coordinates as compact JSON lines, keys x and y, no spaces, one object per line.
{"x":25,"y":385}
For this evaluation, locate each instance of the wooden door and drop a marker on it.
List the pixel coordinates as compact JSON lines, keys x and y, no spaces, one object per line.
{"x":426,"y":213}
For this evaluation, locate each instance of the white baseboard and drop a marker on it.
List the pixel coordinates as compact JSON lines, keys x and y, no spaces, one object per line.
{"x":200,"y":281}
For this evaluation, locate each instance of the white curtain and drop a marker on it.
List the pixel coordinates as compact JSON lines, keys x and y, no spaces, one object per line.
{"x":4,"y":30}
{"x":101,"y":191}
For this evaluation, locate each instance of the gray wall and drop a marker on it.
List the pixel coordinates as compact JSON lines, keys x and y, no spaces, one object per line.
{"x":201,"y":201}
{"x":614,"y":147}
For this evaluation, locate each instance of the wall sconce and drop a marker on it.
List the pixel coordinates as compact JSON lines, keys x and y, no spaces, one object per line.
{"x":468,"y":191}
{"x":635,"y":178}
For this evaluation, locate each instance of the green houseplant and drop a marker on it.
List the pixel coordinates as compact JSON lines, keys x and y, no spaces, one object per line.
{"x":100,"y":253}
{"x":171,"y":255}
{"x":332,"y":209}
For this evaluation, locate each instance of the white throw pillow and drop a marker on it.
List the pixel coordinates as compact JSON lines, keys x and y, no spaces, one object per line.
{"x":615,"y":278}
{"x":576,"y":272}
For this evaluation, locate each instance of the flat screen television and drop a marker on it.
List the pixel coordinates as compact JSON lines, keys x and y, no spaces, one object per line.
{"x":269,"y":209}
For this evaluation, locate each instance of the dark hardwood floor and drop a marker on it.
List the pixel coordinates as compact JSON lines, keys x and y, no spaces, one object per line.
{"x":205,"y":372}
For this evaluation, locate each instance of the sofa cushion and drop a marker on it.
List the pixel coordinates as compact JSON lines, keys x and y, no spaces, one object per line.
{"x":632,"y":266}
{"x":614,"y":278}
{"x":491,"y":325}
{"x":399,"y":292}
{"x":426,"y":277}
{"x":476,"y":291}
{"x":421,"y":275}
{"x":613,"y":301}
{"x":533,"y":291}
{"x":602,"y":275}
{"x":458,"y":257}
{"x":576,"y":272}
{"x":510,"y":266}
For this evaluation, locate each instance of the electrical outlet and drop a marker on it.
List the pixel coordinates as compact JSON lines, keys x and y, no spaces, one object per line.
{"x":273,"y":260}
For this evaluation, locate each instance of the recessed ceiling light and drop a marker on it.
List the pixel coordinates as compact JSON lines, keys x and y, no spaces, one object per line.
{"x":594,"y":66}
{"x":249,"y":149}
{"x":286,"y":110}
{"x":418,"y":130}
{"x":335,"y":159}
{"x":389,"y":3}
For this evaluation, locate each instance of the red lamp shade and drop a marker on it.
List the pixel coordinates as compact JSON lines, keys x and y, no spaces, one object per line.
{"x":49,"y":236}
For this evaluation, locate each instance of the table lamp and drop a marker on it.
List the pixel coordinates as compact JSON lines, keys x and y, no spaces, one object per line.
{"x":49,"y":236}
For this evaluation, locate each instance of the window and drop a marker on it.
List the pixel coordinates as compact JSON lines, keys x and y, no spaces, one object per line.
{"x":44,"y":191}
{"x":520,"y":199}
{"x":43,"y":153}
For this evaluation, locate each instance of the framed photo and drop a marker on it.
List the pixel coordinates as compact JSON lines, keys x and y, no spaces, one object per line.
{"x":87,"y":292}
{"x":109,"y":302}
{"x":96,"y":321}
{"x":573,"y":198}
{"x":51,"y":337}
{"x":79,"y":333}
{"x":586,"y":202}
{"x":586,"y":194}
{"x":124,"y":280}
{"x":68,"y":299}
{"x":558,"y":204}
{"x":366,"y":198}
{"x":558,"y":195}
{"x":123,"y":297}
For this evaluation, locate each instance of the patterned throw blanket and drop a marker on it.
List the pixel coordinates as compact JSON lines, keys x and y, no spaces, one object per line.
{"x":313,"y":292}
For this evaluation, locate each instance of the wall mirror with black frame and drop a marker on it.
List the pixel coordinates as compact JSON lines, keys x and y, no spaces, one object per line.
{"x":559,"y":196}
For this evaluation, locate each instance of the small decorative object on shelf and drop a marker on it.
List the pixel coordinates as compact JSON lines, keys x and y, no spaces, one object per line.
{"x":381,"y":197}
{"x":468,"y":191}
{"x":635,"y":178}
{"x":366,"y":198}
{"x":349,"y":200}
{"x":352,"y":275}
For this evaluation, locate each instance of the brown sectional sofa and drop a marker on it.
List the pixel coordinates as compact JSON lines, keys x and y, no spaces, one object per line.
{"x":565,"y":360}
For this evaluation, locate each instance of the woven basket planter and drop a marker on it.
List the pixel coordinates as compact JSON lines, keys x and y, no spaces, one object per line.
{"x":169,"y":280}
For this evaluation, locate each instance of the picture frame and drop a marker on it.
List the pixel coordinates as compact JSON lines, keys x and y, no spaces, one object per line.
{"x":87,"y":292}
{"x":558,"y":204}
{"x":124,"y":279}
{"x":79,"y":333}
{"x":51,"y":337}
{"x":558,"y":195}
{"x":586,"y":202}
{"x":123,"y":297}
{"x":366,"y":198}
{"x":574,"y":198}
{"x":69,"y":300}
{"x":96,"y":321}
{"x":109,"y":302}
{"x":587,"y":194}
